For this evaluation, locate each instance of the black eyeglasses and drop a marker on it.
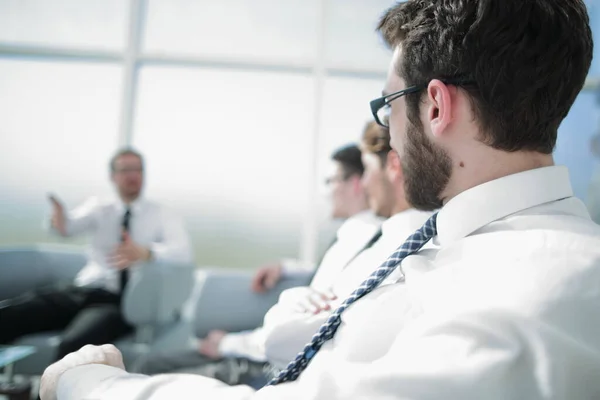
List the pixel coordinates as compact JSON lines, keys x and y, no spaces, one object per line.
{"x":336,"y":178}
{"x":381,"y":107}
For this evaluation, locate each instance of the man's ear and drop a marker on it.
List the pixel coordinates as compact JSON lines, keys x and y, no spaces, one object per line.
{"x":356,"y":184}
{"x":393,"y":167}
{"x":439,"y":107}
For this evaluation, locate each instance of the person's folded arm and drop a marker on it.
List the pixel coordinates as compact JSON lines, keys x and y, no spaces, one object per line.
{"x":286,"y":340}
{"x":292,"y":322}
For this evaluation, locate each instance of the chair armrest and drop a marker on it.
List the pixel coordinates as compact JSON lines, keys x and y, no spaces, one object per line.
{"x":226,"y":301}
{"x":156,"y":292}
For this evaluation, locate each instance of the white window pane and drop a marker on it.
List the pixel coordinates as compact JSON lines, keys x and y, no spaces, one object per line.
{"x":230,"y":150}
{"x":351,"y":40}
{"x":255,"y":29}
{"x":57,"y":132}
{"x":573,"y":149}
{"x":345,"y":113}
{"x":98,"y":24}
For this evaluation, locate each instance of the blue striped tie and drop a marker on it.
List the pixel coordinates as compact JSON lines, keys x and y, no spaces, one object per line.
{"x":327,"y":330}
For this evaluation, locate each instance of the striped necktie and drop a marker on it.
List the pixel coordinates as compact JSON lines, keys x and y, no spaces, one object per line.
{"x":413,"y":244}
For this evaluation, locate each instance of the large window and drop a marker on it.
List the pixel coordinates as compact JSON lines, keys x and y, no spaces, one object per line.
{"x":87,"y":24}
{"x":351,"y":40}
{"x":58,"y":130}
{"x":231,"y":151}
{"x":237,"y":105}
{"x":282,"y":31}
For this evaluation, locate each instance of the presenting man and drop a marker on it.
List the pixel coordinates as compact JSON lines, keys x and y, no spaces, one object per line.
{"x":123,"y":233}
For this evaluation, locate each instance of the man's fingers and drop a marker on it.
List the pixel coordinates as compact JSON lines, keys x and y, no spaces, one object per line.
{"x":272,"y":278}
{"x":329,"y":295}
{"x":54,"y":200}
{"x":320,"y":301}
{"x":258,"y":281}
{"x":118,"y":262}
{"x":305,"y":306}
{"x":314,"y":303}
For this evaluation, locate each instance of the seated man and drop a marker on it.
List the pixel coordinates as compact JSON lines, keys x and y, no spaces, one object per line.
{"x":239,"y":357}
{"x":123,"y":233}
{"x":300,"y":311}
{"x":500,"y":293}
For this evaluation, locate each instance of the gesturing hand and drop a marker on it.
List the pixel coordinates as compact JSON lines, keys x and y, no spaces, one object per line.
{"x":127,"y":253}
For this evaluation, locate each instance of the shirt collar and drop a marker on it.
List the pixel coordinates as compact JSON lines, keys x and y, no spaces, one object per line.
{"x":134,"y":206}
{"x":490,"y":201}
{"x":358,"y":221}
{"x":400,"y":222}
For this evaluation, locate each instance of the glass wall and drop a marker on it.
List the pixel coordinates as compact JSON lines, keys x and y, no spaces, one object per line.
{"x":236,"y":104}
{"x":233,"y":158}
{"x":57,"y":132}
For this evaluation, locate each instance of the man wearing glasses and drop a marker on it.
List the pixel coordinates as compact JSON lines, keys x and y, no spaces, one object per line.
{"x":500,"y":293}
{"x":123,"y":232}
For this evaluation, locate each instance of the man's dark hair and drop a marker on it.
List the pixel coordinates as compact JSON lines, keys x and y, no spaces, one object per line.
{"x":376,"y":140}
{"x":527,"y":61}
{"x":349,"y":157}
{"x":124,"y":152}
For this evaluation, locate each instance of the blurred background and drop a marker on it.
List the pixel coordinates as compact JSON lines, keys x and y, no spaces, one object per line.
{"x":236,"y":105}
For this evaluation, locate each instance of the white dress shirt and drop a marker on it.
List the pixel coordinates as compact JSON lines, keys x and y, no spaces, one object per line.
{"x":151,"y":226}
{"x":287,"y":330}
{"x":503,"y":304}
{"x":351,"y":237}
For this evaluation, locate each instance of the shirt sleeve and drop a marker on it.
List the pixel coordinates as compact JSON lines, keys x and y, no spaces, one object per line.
{"x":293,"y":267}
{"x":101,"y":382}
{"x":175,"y":244}
{"x":493,"y":355}
{"x":286,"y":330}
{"x":245,"y":344}
{"x":79,"y":220}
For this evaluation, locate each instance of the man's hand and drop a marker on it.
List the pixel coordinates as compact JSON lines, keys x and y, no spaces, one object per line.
{"x":58,"y":219}
{"x":315,"y":301}
{"x":209,"y":346}
{"x":127,"y":253}
{"x":266,"y":278}
{"x":106,"y":354}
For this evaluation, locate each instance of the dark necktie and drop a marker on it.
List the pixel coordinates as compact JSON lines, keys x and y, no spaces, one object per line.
{"x":125,"y":229}
{"x":367,"y":245}
{"x":327,"y":330}
{"x":370,"y":243}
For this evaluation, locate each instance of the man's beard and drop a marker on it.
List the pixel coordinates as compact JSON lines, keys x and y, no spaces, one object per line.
{"x":426,"y":169}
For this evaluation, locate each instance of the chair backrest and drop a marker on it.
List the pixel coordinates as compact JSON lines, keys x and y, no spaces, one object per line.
{"x":225,"y":301}
{"x":155,"y":293}
{"x":29,"y":267}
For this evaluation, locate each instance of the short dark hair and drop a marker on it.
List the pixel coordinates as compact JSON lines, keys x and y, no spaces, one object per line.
{"x":376,"y":140}
{"x":349,"y":157}
{"x":527,"y":61}
{"x":124,"y":152}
